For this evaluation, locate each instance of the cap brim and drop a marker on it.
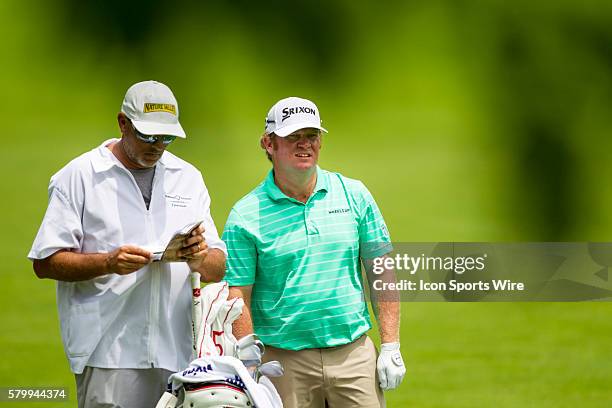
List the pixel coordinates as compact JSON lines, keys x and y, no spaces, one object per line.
{"x":150,"y":128}
{"x":289,"y":129}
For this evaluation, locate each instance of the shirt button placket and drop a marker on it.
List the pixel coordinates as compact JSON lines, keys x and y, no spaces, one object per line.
{"x":311,"y":227}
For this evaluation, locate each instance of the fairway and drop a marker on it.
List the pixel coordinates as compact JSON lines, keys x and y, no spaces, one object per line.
{"x":467,"y":121}
{"x":457,"y":354}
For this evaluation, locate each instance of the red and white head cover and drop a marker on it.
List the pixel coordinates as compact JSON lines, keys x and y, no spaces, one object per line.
{"x":216,"y":378}
{"x":214,"y":332}
{"x":229,"y":377}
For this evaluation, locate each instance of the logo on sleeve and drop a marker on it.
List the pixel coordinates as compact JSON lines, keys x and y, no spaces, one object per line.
{"x":385,"y":231}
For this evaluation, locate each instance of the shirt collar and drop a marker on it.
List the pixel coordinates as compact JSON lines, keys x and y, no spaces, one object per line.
{"x":276,"y":194}
{"x":103,"y":159}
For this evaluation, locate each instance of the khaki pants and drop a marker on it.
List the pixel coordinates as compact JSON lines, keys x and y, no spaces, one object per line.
{"x":334,"y":377}
{"x":120,"y":388}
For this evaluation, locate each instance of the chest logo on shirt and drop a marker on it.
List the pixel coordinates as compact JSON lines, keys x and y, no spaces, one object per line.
{"x":339,"y":211}
{"x":176,"y":200}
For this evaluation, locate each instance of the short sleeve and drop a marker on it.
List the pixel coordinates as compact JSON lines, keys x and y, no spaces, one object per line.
{"x":374,"y":239}
{"x":241,"y":252}
{"x":61,"y":227}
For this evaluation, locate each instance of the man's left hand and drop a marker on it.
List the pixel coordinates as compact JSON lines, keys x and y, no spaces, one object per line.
{"x":194,"y":248}
{"x":390,"y":366}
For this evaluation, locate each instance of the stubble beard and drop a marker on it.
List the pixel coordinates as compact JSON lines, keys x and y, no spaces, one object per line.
{"x":133,"y":157}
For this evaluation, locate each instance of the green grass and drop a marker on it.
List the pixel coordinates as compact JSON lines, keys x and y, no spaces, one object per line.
{"x":457,"y":354}
{"x":418,"y":111}
{"x":505,"y":355}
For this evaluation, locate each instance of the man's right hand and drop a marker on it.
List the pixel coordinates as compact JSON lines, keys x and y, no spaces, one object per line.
{"x":127,"y":259}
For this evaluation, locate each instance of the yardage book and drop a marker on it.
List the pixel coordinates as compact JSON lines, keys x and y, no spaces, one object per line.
{"x":176,"y":242}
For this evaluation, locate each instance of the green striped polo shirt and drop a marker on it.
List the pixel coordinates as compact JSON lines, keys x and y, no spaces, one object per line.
{"x":303,"y":260}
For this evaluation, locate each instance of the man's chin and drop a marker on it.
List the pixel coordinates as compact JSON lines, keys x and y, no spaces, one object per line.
{"x":146,"y":164}
{"x":305,"y":166}
{"x":150,"y":160}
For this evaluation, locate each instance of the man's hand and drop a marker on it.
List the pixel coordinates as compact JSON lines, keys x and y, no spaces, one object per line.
{"x":194,"y":249}
{"x":390,"y":366}
{"x":127,"y":259}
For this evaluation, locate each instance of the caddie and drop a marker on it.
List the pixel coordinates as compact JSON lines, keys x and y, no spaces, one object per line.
{"x":295,"y":247}
{"x":125,"y":320}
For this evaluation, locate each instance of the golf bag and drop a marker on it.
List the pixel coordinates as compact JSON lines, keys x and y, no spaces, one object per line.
{"x":218,"y":377}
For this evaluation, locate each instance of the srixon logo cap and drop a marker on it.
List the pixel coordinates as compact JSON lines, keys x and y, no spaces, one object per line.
{"x":291,"y":114}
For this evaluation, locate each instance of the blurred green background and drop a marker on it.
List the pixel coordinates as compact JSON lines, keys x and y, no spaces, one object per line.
{"x":468,"y":120}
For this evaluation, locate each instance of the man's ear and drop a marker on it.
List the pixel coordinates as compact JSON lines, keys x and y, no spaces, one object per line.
{"x":266,"y":143}
{"x":123,"y":122}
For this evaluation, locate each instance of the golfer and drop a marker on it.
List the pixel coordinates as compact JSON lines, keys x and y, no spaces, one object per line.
{"x":125,"y":320}
{"x":295,"y":244}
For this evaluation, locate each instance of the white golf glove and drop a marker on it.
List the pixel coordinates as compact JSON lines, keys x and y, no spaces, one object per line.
{"x":390,"y":366}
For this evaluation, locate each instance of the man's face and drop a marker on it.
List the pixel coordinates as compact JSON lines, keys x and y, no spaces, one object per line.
{"x":141,"y":154}
{"x":297,"y":151}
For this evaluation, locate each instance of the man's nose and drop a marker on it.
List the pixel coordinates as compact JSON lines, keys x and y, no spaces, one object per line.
{"x":159,"y":144}
{"x":303,"y":141}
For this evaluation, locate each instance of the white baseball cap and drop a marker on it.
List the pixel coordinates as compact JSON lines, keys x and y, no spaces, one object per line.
{"x":153,"y":109}
{"x":291,"y":114}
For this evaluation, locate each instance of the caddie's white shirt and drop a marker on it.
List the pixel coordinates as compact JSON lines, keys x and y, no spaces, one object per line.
{"x":140,"y":320}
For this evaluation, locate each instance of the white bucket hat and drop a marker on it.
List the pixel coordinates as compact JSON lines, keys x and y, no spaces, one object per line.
{"x":291,"y":114}
{"x":153,"y":109}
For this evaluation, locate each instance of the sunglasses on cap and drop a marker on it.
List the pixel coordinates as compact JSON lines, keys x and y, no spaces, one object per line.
{"x":150,"y":139}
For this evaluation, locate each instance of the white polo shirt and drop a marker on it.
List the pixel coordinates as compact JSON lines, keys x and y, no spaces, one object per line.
{"x":140,"y":320}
